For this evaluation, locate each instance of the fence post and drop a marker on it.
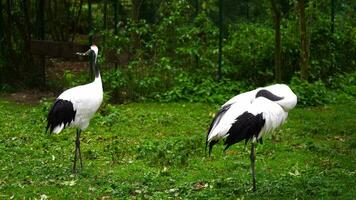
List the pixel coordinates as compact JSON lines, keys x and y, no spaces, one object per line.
{"x":221,"y":2}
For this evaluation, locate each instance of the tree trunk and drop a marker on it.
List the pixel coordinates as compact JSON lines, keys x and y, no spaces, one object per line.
{"x":11,"y":68}
{"x":304,"y":50}
{"x":8,"y":29}
{"x":277,"y":37}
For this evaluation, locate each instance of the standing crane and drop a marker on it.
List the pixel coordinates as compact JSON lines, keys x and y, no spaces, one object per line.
{"x":250,"y":116}
{"x":76,"y":106}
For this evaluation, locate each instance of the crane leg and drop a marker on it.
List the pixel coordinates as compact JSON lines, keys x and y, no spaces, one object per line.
{"x":253,"y":158}
{"x":77,"y":152}
{"x":80,"y":153}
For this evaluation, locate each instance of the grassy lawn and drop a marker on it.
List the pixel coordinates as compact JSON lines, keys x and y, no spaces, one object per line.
{"x":156,"y":151}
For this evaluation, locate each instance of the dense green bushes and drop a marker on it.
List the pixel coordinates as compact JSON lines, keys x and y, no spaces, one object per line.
{"x":248,"y":54}
{"x":173,"y":54}
{"x":175,"y":59}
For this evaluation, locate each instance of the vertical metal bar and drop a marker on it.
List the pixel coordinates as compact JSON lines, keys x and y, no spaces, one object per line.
{"x":116,"y":21}
{"x":1,"y":42}
{"x":247,"y":9}
{"x":1,"y":26}
{"x":90,"y":24}
{"x":105,"y":15}
{"x":221,"y":2}
{"x":41,"y":28}
{"x":332,"y":16}
{"x":332,"y":32}
{"x":41,"y":36}
{"x":105,"y":19}
{"x":1,"y":29}
{"x":196,"y":14}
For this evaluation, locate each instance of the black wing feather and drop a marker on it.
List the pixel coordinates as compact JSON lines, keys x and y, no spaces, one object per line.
{"x":245,"y":127}
{"x":62,"y":112}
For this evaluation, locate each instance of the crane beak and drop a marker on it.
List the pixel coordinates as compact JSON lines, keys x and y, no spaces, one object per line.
{"x":84,"y":54}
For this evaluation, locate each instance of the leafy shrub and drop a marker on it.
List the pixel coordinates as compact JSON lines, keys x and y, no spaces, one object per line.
{"x":310,"y":94}
{"x":72,"y":80}
{"x":114,"y":82}
{"x":345,"y":83}
{"x":248,"y":53}
{"x":203,"y":90}
{"x":343,"y":86}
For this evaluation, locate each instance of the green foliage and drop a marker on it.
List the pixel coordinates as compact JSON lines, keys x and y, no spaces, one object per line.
{"x":180,"y":43}
{"x":345,"y":83}
{"x":203,"y":90}
{"x":168,"y":38}
{"x":344,"y":87}
{"x":310,"y":94}
{"x":114,"y":83}
{"x":248,"y":53}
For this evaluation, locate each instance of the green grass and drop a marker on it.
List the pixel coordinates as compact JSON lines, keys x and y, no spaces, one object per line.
{"x":156,"y":151}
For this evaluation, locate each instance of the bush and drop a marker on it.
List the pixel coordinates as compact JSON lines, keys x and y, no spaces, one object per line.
{"x":344,"y":83}
{"x":248,"y":53}
{"x":310,"y":94}
{"x":344,"y":87}
{"x":203,"y":90}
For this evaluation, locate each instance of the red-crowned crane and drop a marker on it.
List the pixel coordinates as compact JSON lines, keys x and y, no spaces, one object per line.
{"x":76,"y":106}
{"x":250,"y":116}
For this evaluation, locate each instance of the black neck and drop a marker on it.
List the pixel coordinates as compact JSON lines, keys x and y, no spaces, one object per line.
{"x":93,"y":65}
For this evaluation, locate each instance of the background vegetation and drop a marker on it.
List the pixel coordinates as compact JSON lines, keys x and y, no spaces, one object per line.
{"x":171,"y":47}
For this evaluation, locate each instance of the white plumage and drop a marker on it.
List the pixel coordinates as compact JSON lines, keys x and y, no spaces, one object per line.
{"x":274,"y":112}
{"x":251,"y":115}
{"x":86,"y":100}
{"x":76,"y":106}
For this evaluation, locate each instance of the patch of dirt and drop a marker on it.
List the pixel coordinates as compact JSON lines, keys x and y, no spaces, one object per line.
{"x":55,"y":68}
{"x":27,"y":96}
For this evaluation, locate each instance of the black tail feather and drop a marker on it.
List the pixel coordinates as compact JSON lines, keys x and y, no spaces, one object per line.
{"x":62,"y":112}
{"x":245,"y":128}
